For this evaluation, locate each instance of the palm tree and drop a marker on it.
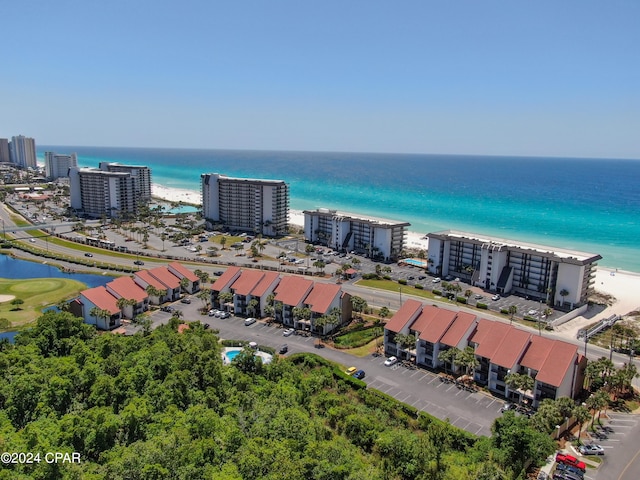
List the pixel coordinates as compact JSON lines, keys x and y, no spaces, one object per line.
{"x":319,"y":264}
{"x":597,"y":402}
{"x":563,"y":293}
{"x":448,"y":356}
{"x":581,"y":415}
{"x":225,"y":297}
{"x":467,"y":358}
{"x":519,"y":382}
{"x":358,"y":304}
{"x":512,"y":311}
{"x":253,"y":305}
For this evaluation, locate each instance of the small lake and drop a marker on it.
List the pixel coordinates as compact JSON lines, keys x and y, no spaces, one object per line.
{"x":19,"y":269}
{"x":14,"y":268}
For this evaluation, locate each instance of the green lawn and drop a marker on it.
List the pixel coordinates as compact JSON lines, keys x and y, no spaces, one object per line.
{"x":356,"y":338}
{"x":36,"y":294}
{"x":392,"y":286}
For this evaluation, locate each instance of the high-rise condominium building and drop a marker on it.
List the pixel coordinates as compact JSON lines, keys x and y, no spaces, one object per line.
{"x":96,"y":193}
{"x":23,"y":151}
{"x":246,"y":204}
{"x":57,"y":165}
{"x":141,"y":177}
{"x":4,"y":150}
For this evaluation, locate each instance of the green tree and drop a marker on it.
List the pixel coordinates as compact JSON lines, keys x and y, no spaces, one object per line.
{"x":466,"y":358}
{"x":582,"y":415}
{"x":358,"y":304}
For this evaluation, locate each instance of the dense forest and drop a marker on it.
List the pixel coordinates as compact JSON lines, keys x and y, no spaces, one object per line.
{"x":163,"y":406}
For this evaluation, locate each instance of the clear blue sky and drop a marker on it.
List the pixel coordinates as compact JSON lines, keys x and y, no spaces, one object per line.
{"x":467,"y":76}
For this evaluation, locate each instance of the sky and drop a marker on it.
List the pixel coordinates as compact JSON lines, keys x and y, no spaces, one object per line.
{"x":544,"y":78}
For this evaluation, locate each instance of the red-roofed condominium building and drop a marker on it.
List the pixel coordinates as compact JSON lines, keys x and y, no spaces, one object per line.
{"x":98,"y":307}
{"x":250,"y":291}
{"x":422,"y":333}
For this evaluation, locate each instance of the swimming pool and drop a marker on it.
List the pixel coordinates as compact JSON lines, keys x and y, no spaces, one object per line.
{"x":229,"y":353}
{"x":415,"y":262}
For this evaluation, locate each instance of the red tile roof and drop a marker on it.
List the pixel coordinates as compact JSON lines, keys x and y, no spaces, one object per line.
{"x":182,"y":327}
{"x":102,"y":299}
{"x":293,"y":290}
{"x":438,"y":326}
{"x":126,"y":288}
{"x":182,"y":271}
{"x":511,"y":348}
{"x":269,"y":279}
{"x":427,"y":315}
{"x":226,"y":279}
{"x":407,"y":313}
{"x":247,"y":281}
{"x":149,"y":279}
{"x":488,"y":346}
{"x":554,"y":357}
{"x":458,"y":329}
{"x":166,"y":277}
{"x":322,"y":296}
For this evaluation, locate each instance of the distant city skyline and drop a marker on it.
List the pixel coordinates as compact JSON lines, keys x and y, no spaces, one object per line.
{"x":467,"y":77}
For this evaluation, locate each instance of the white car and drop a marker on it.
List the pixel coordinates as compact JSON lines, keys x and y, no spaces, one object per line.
{"x":495,"y":297}
{"x":213,"y":312}
{"x":436,"y":280}
{"x":390,"y":361}
{"x":250,"y":321}
{"x":591,"y":449}
{"x":288,"y":332}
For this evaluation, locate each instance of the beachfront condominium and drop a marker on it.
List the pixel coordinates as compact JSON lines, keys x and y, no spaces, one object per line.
{"x":57,"y":165}
{"x":97,"y":193}
{"x":141,"y":178}
{"x":4,"y":150}
{"x":22,"y":151}
{"x":377,"y":238}
{"x":246,"y":204}
{"x":559,"y":277}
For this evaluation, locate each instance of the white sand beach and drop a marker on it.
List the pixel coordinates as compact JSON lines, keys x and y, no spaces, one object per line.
{"x":175,"y":194}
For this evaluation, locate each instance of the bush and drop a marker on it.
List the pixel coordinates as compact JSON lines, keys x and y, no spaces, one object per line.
{"x":402,"y":281}
{"x":482,"y":306}
{"x":370,"y":276}
{"x":418,"y":286}
{"x":387,"y":277}
{"x":437,"y":292}
{"x":356,"y":338}
{"x":461,"y":299}
{"x":504,"y":311}
{"x":529,"y":318}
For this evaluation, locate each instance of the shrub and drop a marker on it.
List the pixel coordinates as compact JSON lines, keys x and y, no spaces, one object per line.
{"x":387,"y":277}
{"x":402,"y":281}
{"x":504,"y":311}
{"x":437,"y":292}
{"x":529,"y":318}
{"x":482,"y":306}
{"x":418,"y":286}
{"x":370,"y":276}
{"x":461,"y":299}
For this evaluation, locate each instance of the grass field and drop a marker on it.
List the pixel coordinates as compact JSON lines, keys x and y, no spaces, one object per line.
{"x":36,"y":294}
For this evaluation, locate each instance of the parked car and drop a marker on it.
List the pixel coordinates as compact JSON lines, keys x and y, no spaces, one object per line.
{"x":225,"y":314}
{"x":212,"y":312}
{"x":351,"y":370}
{"x":477,"y":296}
{"x":495,"y":297}
{"x":288,"y":332}
{"x":283,"y":349}
{"x":185,"y":300}
{"x":436,"y":280}
{"x":421,"y":277}
{"x":359,"y":374}
{"x":591,"y":449}
{"x":88,"y":254}
{"x":249,"y":321}
{"x":563,"y":468}
{"x":507,"y":406}
{"x":571,"y":460}
{"x":217,"y":273}
{"x":390,"y":361}
{"x":139,"y":262}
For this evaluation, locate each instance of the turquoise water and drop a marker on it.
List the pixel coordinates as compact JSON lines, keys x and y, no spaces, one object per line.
{"x":231,"y":354}
{"x":591,"y":205}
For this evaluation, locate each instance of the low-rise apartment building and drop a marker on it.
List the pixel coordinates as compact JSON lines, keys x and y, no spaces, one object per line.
{"x":500,"y":349}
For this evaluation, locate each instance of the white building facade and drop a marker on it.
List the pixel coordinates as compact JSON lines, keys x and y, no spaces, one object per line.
{"x":141,"y":178}
{"x":96,"y":193}
{"x":245,"y":204}
{"x":563,"y":278}
{"x":57,"y":165}
{"x":376,"y":238}
{"x":22,"y":151}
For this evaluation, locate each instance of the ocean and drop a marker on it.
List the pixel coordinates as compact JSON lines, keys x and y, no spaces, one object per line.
{"x":591,"y":205}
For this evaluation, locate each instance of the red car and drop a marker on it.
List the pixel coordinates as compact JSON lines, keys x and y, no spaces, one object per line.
{"x":570,"y":460}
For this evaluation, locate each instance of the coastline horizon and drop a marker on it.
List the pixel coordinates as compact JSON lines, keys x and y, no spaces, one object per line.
{"x":584,"y":205}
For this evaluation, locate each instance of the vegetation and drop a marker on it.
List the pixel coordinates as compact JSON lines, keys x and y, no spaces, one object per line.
{"x":162,"y":405}
{"x":357,"y":338}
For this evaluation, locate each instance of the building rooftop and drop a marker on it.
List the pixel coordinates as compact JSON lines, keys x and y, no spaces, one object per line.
{"x":405,"y":314}
{"x":567,"y":254}
{"x":511,"y":348}
{"x":149,"y":279}
{"x":438,"y":326}
{"x":182,"y":271}
{"x":102,"y":299}
{"x":166,"y":277}
{"x":125,"y":287}
{"x":458,"y":329}
{"x":382,"y":222}
{"x":226,"y":279}
{"x":321,"y":297}
{"x":491,"y":336}
{"x":293,"y":290}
